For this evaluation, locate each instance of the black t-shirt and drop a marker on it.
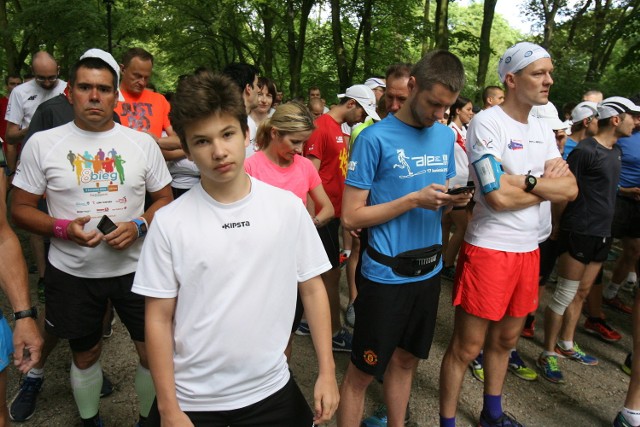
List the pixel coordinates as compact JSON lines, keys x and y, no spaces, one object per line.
{"x":597,"y":171}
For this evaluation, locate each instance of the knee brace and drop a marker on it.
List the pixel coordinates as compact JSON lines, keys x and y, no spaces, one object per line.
{"x":565,"y":292}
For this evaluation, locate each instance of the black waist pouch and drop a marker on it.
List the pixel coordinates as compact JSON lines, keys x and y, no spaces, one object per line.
{"x":416,"y":262}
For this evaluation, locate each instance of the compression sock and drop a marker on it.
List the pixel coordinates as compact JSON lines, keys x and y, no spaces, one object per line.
{"x":447,"y":422}
{"x":611,"y":290}
{"x":492,"y":406}
{"x":632,"y":416}
{"x":145,"y":390}
{"x":86,"y":385}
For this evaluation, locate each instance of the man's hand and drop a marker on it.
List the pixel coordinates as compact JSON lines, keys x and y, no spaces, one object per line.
{"x":434,"y":196}
{"x":27,"y":343}
{"x":556,"y":168}
{"x":123,"y":236}
{"x":325,"y":398}
{"x":76,"y":233}
{"x":630,"y":192}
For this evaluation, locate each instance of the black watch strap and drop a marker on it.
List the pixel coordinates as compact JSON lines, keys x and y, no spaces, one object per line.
{"x":32,"y":312}
{"x":530,"y":182}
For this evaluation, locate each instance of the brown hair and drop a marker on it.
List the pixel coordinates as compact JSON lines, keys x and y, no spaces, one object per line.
{"x":202,"y":95}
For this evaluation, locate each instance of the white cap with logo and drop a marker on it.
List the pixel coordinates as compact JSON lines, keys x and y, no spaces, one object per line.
{"x":363,"y":96}
{"x":615,"y":106}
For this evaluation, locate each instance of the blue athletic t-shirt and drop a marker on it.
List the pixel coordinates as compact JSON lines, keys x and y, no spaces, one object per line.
{"x":391,"y":160}
{"x":630,"y":171}
{"x":568,"y":148}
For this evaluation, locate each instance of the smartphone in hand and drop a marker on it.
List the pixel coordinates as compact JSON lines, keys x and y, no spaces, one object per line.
{"x":106,"y":226}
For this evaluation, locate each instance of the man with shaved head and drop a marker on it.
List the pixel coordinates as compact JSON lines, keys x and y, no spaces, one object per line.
{"x":26,"y":97}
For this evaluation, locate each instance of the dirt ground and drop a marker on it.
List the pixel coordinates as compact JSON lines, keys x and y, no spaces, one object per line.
{"x":591,"y":395}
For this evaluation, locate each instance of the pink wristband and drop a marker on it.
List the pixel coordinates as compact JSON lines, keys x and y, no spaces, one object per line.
{"x":60,"y":228}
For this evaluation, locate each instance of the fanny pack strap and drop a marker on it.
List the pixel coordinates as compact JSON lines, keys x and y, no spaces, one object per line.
{"x":383,"y":259}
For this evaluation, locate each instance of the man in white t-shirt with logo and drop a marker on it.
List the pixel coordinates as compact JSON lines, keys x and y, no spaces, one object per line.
{"x":96,"y":220}
{"x":515,"y":165}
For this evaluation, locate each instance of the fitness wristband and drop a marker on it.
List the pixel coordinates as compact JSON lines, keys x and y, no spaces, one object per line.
{"x":32,"y":312}
{"x":60,"y":228}
{"x":142,"y":226}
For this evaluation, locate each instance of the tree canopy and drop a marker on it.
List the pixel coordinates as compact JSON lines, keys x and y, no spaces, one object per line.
{"x":333,"y":43}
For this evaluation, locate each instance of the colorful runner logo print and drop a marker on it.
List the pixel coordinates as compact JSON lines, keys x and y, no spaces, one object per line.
{"x":104,"y":169}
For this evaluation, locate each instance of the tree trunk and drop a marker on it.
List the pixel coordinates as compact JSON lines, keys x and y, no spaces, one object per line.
{"x":426,"y":36}
{"x":338,"y":46}
{"x":295,"y":43}
{"x":485,"y":45}
{"x":441,"y":21}
{"x":366,"y":38}
{"x":268,"y":18}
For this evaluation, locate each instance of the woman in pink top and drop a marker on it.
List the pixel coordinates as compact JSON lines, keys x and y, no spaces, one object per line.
{"x":279,"y":162}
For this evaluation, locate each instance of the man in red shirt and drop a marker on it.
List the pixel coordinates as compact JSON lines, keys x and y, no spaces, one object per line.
{"x":328,"y":151}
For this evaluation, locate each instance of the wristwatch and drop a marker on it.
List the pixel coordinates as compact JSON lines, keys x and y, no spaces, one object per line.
{"x":32,"y":312}
{"x":142,"y":226}
{"x":530,"y":182}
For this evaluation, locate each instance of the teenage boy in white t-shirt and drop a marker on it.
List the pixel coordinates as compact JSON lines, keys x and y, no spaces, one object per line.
{"x":219,"y":272}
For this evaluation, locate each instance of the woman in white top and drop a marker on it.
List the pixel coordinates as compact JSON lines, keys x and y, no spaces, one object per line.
{"x":266,"y":95}
{"x":460,"y":115}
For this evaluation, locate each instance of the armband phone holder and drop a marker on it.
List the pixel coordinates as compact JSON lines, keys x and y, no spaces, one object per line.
{"x":488,"y":171}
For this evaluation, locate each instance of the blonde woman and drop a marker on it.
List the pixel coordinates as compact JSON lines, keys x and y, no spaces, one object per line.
{"x":279,"y":162}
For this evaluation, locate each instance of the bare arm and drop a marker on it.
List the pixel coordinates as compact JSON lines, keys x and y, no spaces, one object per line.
{"x":159,"y":341}
{"x":15,"y":284}
{"x":14,"y":134}
{"x":556,"y":185}
{"x":321,"y":200}
{"x":316,"y":308}
{"x":26,"y":215}
{"x":357,"y":214}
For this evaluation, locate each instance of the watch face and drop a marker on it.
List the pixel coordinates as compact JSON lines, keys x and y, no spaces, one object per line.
{"x":531,"y":180}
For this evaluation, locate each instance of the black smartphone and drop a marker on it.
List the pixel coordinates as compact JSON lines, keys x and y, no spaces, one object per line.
{"x":106,"y":226}
{"x":460,"y":190}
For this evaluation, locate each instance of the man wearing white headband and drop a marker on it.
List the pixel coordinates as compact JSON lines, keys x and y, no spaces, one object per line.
{"x":496,"y":285}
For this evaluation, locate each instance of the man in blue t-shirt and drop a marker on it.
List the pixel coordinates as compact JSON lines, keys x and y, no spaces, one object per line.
{"x":396,"y":187}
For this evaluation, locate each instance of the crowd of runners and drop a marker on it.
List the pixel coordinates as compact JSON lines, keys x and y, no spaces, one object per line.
{"x":216,"y":222}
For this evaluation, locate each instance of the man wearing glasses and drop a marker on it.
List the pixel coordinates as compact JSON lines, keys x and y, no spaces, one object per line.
{"x":26,"y":97}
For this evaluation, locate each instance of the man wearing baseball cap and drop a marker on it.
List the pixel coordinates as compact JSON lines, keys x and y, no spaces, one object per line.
{"x":515,"y":164}
{"x":585,"y":233}
{"x":377,"y":85}
{"x":328,"y":151}
{"x":584,"y":123}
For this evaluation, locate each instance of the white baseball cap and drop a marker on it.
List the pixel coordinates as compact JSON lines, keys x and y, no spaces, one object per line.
{"x":549,"y":114}
{"x":364,"y":96}
{"x":616,"y":105}
{"x":375,"y":82}
{"x":111,"y":62}
{"x":584,"y":110}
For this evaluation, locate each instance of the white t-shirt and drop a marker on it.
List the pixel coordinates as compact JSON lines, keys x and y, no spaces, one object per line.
{"x":253,"y":131}
{"x":26,"y":97}
{"x":234,"y":269}
{"x":184,"y":173}
{"x":520,"y":148}
{"x":461,"y":158}
{"x":92,"y":173}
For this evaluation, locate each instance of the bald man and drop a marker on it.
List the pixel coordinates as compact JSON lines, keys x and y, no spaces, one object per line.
{"x":26,"y":97}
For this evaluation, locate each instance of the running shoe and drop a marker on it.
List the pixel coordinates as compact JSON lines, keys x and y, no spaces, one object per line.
{"x":477,"y":370}
{"x":548,"y":365}
{"x":599,"y":327}
{"x":519,"y":369}
{"x":23,"y":405}
{"x":617,"y":304}
{"x":350,"y":315}
{"x":343,"y":259}
{"x":628,"y":286}
{"x":448,"y":273}
{"x":342,"y":341}
{"x":576,"y":354}
{"x":142,"y":421}
{"x":529,"y":327}
{"x":505,"y":420}
{"x":379,"y":417}
{"x":303,"y":329}
{"x":621,"y":421}
{"x":626,"y":366}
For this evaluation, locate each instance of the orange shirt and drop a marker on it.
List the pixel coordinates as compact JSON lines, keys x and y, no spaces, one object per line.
{"x":148,"y":112}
